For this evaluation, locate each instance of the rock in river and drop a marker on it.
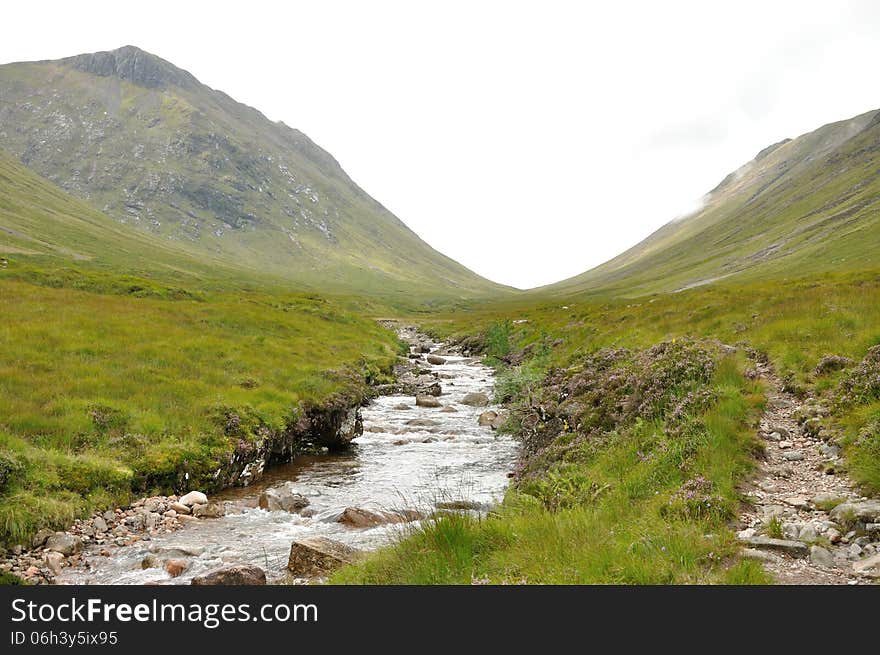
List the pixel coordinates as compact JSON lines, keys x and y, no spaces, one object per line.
{"x":427,"y":401}
{"x":436,"y":360}
{"x":475,"y":399}
{"x":209,"y":511}
{"x":486,"y":418}
{"x":283,"y":499}
{"x":235,"y":574}
{"x":319,"y":555}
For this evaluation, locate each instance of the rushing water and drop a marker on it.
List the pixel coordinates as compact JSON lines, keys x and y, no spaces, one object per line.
{"x":394,"y":465}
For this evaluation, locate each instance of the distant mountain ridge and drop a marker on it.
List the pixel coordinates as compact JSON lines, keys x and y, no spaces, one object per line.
{"x":148,"y":144}
{"x":801,"y":206}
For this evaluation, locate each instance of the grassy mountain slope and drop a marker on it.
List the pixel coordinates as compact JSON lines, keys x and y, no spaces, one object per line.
{"x":803,"y":206}
{"x":149,"y":145}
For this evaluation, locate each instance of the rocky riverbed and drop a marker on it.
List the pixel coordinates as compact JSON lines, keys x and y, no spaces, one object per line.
{"x":429,"y":444}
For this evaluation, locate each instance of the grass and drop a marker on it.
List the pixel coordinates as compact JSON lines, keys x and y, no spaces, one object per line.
{"x":631,"y":529}
{"x":103,"y":395}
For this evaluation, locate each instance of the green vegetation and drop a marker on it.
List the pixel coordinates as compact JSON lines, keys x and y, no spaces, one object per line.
{"x":800,"y":208}
{"x":643,"y":499}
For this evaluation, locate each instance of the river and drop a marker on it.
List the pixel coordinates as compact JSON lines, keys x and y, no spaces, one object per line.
{"x":394,"y":465}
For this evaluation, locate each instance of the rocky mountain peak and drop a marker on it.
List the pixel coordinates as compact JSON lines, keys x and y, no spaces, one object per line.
{"x":134,"y":65}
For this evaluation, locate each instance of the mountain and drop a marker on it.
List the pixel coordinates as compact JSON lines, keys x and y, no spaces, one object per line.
{"x":161,"y":153}
{"x":802,"y":206}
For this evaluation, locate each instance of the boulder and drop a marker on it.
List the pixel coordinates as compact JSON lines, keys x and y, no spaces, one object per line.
{"x":431,"y":389}
{"x":234,"y":574}
{"x":150,"y":561}
{"x":193,"y":498}
{"x":449,"y":409}
{"x":174,"y":567}
{"x":436,"y":360}
{"x":99,"y":524}
{"x":282,"y":499}
{"x":209,"y":511}
{"x":64,"y":543}
{"x":427,"y":401}
{"x":475,"y":399}
{"x":180,"y":508}
{"x":318,"y":556}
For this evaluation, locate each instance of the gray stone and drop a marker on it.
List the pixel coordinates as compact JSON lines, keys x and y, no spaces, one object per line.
{"x":790,"y":547}
{"x":821,"y":557}
{"x":793,"y":455}
{"x":427,"y":401}
{"x":808,"y":533}
{"x":436,"y":360}
{"x":283,"y":499}
{"x":99,"y":524}
{"x":867,"y":511}
{"x":64,"y":543}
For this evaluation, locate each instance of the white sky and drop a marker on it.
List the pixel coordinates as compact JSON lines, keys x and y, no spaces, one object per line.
{"x":529,"y":141}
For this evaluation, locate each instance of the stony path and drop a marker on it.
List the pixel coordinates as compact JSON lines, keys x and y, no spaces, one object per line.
{"x":807,"y":524}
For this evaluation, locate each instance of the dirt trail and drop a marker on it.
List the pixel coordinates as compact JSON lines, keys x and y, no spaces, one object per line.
{"x":795,"y":492}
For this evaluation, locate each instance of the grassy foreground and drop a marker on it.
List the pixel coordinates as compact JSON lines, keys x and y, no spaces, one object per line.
{"x":104,"y":394}
{"x":612,"y":494}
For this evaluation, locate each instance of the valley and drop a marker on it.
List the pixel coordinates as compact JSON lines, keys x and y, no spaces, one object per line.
{"x":195,"y":298}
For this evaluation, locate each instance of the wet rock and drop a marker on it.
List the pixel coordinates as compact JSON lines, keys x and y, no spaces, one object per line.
{"x":427,"y":401}
{"x":402,"y":407}
{"x":283,"y":499}
{"x":433,"y":389}
{"x":357,"y":517}
{"x":193,"y":498}
{"x":64,"y":543}
{"x":150,"y":562}
{"x":180,"y":508}
{"x":793,"y":548}
{"x":319,"y":556}
{"x":436,"y":360}
{"x":234,"y":574}
{"x":449,"y":409}
{"x":475,"y":399}
{"x":54,"y":562}
{"x":423,"y":422}
{"x":209,"y":511}
{"x":487,"y":418}
{"x":175,"y":567}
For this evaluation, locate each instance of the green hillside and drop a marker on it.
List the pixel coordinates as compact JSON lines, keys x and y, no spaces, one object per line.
{"x":801,"y":207}
{"x":149,"y":145}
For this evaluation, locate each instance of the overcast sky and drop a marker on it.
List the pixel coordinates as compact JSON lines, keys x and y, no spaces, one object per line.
{"x":529,"y":141}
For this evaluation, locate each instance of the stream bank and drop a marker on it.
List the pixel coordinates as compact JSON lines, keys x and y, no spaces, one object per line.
{"x":423,"y":449}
